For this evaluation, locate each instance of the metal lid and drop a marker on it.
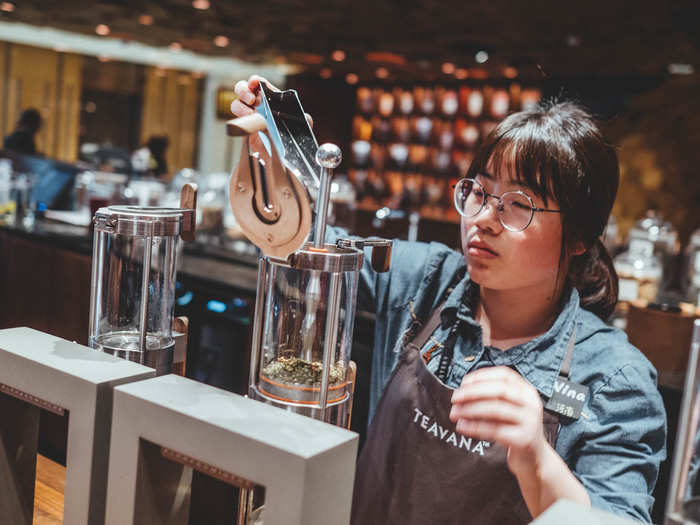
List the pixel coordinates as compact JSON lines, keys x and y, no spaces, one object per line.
{"x":330,"y":258}
{"x":140,"y":220}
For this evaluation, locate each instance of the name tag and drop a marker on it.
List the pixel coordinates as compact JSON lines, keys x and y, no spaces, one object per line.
{"x":568,"y":398}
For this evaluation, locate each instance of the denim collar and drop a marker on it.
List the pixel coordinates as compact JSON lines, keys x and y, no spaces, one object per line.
{"x":539,"y":359}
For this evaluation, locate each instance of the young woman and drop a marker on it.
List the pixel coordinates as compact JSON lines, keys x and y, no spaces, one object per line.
{"x":497,"y":387}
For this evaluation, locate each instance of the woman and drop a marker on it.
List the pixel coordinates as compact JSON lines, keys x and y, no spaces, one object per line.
{"x":497,"y":387}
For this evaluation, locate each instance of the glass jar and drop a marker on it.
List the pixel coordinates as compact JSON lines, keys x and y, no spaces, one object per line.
{"x":664,"y":238}
{"x":304,"y":317}
{"x":638,"y":269}
{"x":691,"y":267}
{"x":133,"y":282}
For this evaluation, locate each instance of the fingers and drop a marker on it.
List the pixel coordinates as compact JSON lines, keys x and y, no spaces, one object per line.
{"x":501,"y":390}
{"x":494,"y":411}
{"x":239,"y":109}
{"x":244,"y":93}
{"x":254,"y":83}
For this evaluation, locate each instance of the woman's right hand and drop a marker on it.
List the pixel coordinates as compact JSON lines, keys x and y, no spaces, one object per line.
{"x":248,"y":93}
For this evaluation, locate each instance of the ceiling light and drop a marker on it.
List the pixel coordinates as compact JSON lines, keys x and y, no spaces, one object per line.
{"x":481,"y":56}
{"x":146,"y":20}
{"x":681,"y":69}
{"x":382,"y":72}
{"x":510,"y":72}
{"x":326,"y":73}
{"x":338,"y":55}
{"x":351,"y":78}
{"x":8,"y":7}
{"x":461,"y":73}
{"x":200,"y":4}
{"x":103,"y":58}
{"x":221,"y":41}
{"x":102,"y":30}
{"x":448,"y":68}
{"x":175,"y":46}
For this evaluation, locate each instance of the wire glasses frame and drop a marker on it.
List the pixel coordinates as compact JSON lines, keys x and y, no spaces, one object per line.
{"x":515,"y":208}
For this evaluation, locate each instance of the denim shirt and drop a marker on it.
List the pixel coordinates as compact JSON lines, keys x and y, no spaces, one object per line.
{"x":614,"y":448}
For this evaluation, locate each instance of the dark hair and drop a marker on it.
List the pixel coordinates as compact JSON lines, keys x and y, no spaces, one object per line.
{"x":558,"y":151}
{"x":29,"y":120}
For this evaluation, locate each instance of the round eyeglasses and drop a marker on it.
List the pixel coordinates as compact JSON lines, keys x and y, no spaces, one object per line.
{"x":515,"y":208}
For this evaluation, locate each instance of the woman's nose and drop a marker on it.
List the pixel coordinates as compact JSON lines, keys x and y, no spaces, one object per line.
{"x":489,"y":216}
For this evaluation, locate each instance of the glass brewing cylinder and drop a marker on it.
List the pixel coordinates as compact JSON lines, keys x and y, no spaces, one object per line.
{"x":304,"y":317}
{"x":133,"y":283}
{"x":683,"y":507}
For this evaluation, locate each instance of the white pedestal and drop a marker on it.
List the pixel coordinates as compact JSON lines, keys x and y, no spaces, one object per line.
{"x":38,"y":370}
{"x":307,"y":467}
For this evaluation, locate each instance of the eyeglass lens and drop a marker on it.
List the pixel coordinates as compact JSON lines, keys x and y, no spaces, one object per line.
{"x":515,"y":209}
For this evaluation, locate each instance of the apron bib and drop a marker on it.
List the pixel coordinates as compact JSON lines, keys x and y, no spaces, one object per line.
{"x":416,"y":469}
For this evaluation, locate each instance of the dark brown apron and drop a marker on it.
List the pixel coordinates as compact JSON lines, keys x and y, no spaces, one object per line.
{"x":416,"y":469}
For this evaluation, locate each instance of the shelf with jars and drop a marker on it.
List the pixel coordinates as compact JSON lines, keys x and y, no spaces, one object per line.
{"x":411,"y":144}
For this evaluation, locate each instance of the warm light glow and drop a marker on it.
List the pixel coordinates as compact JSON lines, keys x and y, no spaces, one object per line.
{"x":200,"y":4}
{"x":448,"y":68}
{"x":221,"y":41}
{"x":326,"y":73}
{"x":481,"y":56}
{"x":461,"y":73}
{"x":573,"y":40}
{"x":103,"y":58}
{"x":146,"y":20}
{"x":160,"y":72}
{"x":382,"y":72}
{"x":510,"y":72}
{"x":102,"y":30}
{"x":351,"y":78}
{"x":198,"y":74}
{"x":175,"y":46}
{"x":8,"y":7}
{"x":338,"y":55}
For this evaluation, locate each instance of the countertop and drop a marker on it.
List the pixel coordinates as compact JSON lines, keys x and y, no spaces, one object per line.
{"x":232,"y":262}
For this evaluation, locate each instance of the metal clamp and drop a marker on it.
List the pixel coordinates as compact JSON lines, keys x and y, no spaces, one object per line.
{"x":381,"y":250}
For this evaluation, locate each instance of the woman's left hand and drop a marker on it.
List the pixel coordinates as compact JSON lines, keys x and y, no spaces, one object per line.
{"x":497,"y":404}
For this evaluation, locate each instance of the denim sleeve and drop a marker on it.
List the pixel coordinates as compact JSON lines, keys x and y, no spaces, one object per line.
{"x":624,"y":444}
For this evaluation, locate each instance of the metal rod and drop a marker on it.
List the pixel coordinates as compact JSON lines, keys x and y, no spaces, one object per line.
{"x":322,"y":207}
{"x":328,"y":157}
{"x":331,"y":336}
{"x":687,"y":420}
{"x":263,"y":263}
{"x":143,"y":328}
{"x":96,"y":286}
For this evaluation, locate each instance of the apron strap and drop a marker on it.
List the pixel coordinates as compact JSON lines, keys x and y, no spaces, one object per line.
{"x":424,"y":334}
{"x":568,"y":357}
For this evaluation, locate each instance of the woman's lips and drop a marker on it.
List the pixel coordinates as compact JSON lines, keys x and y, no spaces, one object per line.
{"x":481,"y":249}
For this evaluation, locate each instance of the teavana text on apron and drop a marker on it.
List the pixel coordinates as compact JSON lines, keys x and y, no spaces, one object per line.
{"x":430,"y":426}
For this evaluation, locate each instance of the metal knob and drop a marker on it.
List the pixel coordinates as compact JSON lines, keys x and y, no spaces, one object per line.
{"x":328,"y":156}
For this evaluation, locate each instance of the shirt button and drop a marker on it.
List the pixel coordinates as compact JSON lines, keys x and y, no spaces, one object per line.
{"x":469,"y":358}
